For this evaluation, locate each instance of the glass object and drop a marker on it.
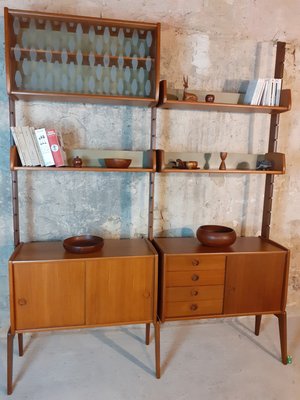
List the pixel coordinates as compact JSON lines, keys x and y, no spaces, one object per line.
{"x":79,"y":57}
{"x":148,"y":64}
{"x":149,"y":39}
{"x":92,"y":85}
{"x":128,"y":48}
{"x":99,"y":72}
{"x":16,"y":26}
{"x":18,"y":79}
{"x":32,"y":32}
{"x":120,"y":86}
{"x":25,"y":66}
{"x":148,"y":88}
{"x":127,"y":75}
{"x":91,"y":59}
{"x":79,"y":34}
{"x":64,"y":56}
{"x":64,"y":82}
{"x":32,"y":54}
{"x":113,"y":47}
{"x":134,"y":87}
{"x":17,"y":52}
{"x":48,"y":55}
{"x":106,"y":85}
{"x":79,"y":83}
{"x":99,"y":45}
{"x":71,"y":44}
{"x":142,"y":50}
{"x":141,"y":80}
{"x":64,"y":34}
{"x":25,"y":41}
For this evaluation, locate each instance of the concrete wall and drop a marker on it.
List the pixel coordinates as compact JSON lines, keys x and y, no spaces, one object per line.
{"x":218,"y":44}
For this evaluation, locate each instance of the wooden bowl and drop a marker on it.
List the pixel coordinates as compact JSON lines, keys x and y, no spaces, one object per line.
{"x":117,"y":162}
{"x":216,"y":235}
{"x":83,"y":244}
{"x":191,"y":164}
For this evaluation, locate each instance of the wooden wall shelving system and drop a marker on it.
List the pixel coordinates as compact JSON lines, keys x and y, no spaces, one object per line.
{"x":182,"y":261}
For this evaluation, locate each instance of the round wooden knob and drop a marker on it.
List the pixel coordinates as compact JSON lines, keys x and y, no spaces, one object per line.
{"x":194,"y":292}
{"x":195,"y":262}
{"x":194,"y":307}
{"x":22,"y":302}
{"x":195,"y":277}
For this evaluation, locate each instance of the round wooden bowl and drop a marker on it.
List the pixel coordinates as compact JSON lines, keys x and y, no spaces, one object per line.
{"x":83,"y":244}
{"x":216,"y":235}
{"x":117,"y":162}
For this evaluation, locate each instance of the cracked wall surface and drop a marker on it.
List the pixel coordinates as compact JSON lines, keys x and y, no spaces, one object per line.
{"x":219,"y":44}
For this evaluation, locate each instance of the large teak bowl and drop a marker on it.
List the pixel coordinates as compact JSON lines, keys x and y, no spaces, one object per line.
{"x":83,"y":244}
{"x":216,"y":235}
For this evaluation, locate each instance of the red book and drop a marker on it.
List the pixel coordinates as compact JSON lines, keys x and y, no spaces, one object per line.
{"x":57,"y":148}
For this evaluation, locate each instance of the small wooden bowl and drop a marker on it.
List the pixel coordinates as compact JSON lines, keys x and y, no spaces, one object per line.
{"x":117,"y":162}
{"x":191,"y":164}
{"x":216,"y":235}
{"x":83,"y":244}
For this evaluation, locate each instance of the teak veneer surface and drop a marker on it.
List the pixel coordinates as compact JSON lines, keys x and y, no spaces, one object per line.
{"x":42,"y":251}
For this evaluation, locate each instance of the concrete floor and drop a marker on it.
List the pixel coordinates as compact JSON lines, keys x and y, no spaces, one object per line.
{"x":212,"y":359}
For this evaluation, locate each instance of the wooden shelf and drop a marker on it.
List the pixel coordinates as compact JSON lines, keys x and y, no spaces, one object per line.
{"x":149,"y":155}
{"x":285,"y":104}
{"x":277,"y":159}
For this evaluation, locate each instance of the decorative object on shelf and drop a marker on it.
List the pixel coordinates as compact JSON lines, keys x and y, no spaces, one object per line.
{"x":264,"y":165}
{"x":117,"y":162}
{"x":186,"y":95}
{"x":83,"y":244}
{"x":207,"y":157}
{"x":216,"y":235}
{"x":77,"y":162}
{"x":223,"y":156}
{"x":171,"y":96}
{"x":210,"y":98}
{"x":186,"y":164}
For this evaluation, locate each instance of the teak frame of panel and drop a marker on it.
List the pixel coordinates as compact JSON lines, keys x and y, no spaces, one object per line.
{"x":34,"y":257}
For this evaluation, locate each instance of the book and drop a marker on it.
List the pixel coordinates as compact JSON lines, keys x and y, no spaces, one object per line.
{"x":278,"y":83}
{"x":42,"y":140}
{"x":57,"y":148}
{"x":33,"y":155}
{"x":37,"y":148}
{"x":250,"y":91}
{"x":15,"y":135}
{"x":254,"y":91}
{"x":23,"y":146}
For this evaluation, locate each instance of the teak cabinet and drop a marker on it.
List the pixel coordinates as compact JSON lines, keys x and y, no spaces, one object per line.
{"x":56,"y":57}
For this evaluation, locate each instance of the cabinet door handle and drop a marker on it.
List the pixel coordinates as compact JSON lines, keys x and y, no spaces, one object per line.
{"x":195,"y":262}
{"x":22,"y":301}
{"x":194,"y":307}
{"x":194,"y":292}
{"x":195,"y":277}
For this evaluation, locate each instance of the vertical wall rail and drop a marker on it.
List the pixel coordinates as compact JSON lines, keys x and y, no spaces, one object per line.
{"x":14,"y":178}
{"x":273,"y":138}
{"x":152,"y":175}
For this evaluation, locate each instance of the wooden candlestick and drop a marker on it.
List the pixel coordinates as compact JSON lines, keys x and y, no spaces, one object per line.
{"x":223,"y":156}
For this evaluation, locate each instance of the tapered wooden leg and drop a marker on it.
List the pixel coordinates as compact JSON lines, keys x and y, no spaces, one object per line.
{"x":257,"y":324}
{"x":20,"y":342}
{"x":147,"y":340}
{"x":10,"y":350}
{"x":157,"y":348}
{"x":283,"y":336}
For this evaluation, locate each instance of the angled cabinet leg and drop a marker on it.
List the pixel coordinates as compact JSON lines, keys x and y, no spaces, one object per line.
{"x":20,"y":343}
{"x":10,"y":351}
{"x":147,"y":338}
{"x":283,"y":336}
{"x":257,"y":324}
{"x":157,"y":348}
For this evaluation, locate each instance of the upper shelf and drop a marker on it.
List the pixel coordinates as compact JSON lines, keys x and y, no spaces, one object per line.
{"x":285,"y":104}
{"x":58,"y":57}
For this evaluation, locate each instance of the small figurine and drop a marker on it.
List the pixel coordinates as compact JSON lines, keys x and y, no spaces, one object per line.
{"x":223,"y":156}
{"x":209,"y":98}
{"x":264,"y":165}
{"x":187,"y":96}
{"x":77,"y":162}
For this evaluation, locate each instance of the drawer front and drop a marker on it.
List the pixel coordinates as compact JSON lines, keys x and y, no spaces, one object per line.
{"x":195,"y":293}
{"x":195,"y":308}
{"x":195,"y":278}
{"x":195,"y":262}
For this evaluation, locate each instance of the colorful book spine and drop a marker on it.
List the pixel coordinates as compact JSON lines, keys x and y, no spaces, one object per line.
{"x":57,"y":148}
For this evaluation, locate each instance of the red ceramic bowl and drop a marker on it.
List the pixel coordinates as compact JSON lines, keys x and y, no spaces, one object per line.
{"x":216,"y":235}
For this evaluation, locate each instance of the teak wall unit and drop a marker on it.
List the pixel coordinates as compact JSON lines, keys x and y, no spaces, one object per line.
{"x":192,"y":281}
{"x":56,"y":57}
{"x":251,"y":276}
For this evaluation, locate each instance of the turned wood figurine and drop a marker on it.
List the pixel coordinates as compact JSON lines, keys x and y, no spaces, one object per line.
{"x":187,"y":96}
{"x":223,"y":156}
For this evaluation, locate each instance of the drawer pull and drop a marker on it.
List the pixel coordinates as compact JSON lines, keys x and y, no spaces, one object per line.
{"x":195,"y":277}
{"x":22,"y":302}
{"x":195,"y":262}
{"x":194,"y":292}
{"x":194,"y":307}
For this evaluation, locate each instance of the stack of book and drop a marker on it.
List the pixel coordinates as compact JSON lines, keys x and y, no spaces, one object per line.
{"x":39,"y":146}
{"x":263,"y":92}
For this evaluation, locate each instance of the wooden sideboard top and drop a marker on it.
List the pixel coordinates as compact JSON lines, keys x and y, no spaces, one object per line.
{"x":49,"y":251}
{"x":186,"y":245}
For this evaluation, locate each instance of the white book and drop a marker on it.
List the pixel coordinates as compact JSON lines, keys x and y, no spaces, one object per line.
{"x":266,"y":94}
{"x":37,"y":148}
{"x":278,"y":91}
{"x":273,"y":91}
{"x":31,"y":146}
{"x":41,"y":135}
{"x":17,"y":143}
{"x":258,"y":92}
{"x":23,"y":144}
{"x":250,"y":91}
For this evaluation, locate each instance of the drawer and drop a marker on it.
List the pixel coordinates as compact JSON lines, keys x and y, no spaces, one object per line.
{"x":195,"y":278}
{"x":195,"y":308}
{"x":195,"y":293}
{"x":195,"y":262}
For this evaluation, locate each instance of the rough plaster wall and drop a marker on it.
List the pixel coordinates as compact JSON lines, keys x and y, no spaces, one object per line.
{"x":219,"y":44}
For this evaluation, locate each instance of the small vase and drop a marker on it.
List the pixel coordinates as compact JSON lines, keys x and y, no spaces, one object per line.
{"x":223,"y":156}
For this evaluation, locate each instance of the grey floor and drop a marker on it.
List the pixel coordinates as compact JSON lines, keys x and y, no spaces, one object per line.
{"x":212,"y":359}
